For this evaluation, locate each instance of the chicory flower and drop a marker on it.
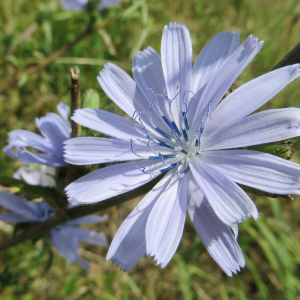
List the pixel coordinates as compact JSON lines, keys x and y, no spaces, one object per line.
{"x":65,"y":237}
{"x":181,"y":128}
{"x":55,"y":129}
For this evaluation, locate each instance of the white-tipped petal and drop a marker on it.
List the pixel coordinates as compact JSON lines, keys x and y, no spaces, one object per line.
{"x":259,"y":170}
{"x":214,"y":234}
{"x":264,"y":127}
{"x":93,"y":150}
{"x":250,"y":97}
{"x":129,"y":243}
{"x":112,"y":181}
{"x":166,"y":221}
{"x":231,"y":204}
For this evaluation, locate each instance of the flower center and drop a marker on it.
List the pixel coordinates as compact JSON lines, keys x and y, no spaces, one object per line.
{"x":176,"y":140}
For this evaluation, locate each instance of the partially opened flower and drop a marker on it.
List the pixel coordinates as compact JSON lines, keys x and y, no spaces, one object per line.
{"x":55,"y":129}
{"x":81,"y":4}
{"x":65,"y":237}
{"x":180,"y":128}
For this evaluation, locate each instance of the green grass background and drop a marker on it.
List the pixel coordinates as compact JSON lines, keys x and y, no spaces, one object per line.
{"x":271,"y":245}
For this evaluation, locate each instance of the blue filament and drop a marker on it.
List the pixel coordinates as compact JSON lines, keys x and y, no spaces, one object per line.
{"x":155,"y":127}
{"x":185,"y":135}
{"x":201,"y":129}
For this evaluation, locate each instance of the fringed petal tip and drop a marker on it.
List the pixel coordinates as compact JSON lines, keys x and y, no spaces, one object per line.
{"x":253,"y":213}
{"x":237,"y":268}
{"x":234,"y":267}
{"x":120,"y":264}
{"x":173,"y":25}
{"x":254,"y":41}
{"x":72,"y":201}
{"x":158,"y":262}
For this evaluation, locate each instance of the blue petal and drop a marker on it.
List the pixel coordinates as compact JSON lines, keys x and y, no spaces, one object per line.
{"x":88,"y":236}
{"x":9,"y":217}
{"x":28,"y":210}
{"x":67,"y":246}
{"x":214,"y":234}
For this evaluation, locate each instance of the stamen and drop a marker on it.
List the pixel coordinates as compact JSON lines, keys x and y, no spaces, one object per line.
{"x":190,"y":102}
{"x":162,"y":159}
{"x":177,"y":132}
{"x":201,"y":129}
{"x":177,"y":175}
{"x":185,"y":135}
{"x":186,"y":170}
{"x":159,"y":109}
{"x":164,"y":155}
{"x":185,"y":108}
{"x":184,"y":119}
{"x":178,"y":144}
{"x":134,"y":124}
{"x":171,"y":116}
{"x":171,"y":167}
{"x":140,"y":156}
{"x":154,"y":139}
{"x":142,"y":169}
{"x":155,"y":127}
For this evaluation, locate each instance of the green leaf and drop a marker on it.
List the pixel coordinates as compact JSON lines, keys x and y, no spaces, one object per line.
{"x":30,"y":191}
{"x":91,"y":99}
{"x":282,"y":149}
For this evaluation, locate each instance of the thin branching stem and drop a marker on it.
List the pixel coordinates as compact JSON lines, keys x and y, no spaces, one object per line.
{"x":47,"y":60}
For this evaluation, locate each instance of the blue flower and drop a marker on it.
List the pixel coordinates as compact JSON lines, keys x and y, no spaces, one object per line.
{"x":55,"y":129}
{"x":183,"y":127}
{"x":65,"y":237}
